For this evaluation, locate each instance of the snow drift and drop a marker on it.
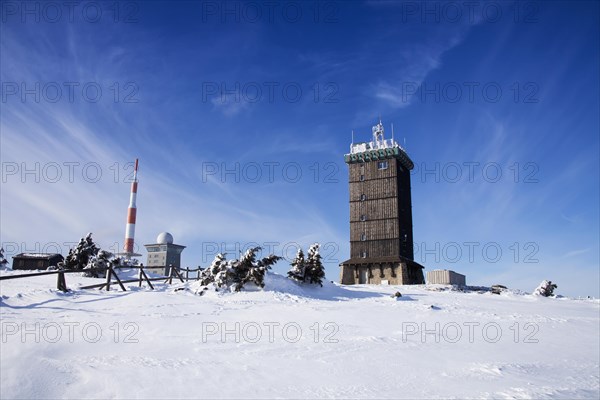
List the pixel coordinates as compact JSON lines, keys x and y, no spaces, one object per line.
{"x":293,"y":340}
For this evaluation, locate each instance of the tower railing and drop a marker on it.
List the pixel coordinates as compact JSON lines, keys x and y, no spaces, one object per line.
{"x":366,"y":146}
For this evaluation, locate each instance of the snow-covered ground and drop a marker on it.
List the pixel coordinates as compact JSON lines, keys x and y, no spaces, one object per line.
{"x":289,"y":341}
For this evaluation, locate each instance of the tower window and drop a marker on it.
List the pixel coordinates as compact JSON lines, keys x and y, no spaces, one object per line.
{"x":363,"y":217}
{"x":362,"y":178}
{"x":363,"y":237}
{"x":363,"y":197}
{"x":382,"y":165}
{"x":364,"y":254}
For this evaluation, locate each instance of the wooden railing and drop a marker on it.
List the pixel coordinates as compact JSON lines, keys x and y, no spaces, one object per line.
{"x":188,"y":270}
{"x":61,"y":283}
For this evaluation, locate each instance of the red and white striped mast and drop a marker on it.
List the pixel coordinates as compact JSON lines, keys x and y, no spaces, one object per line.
{"x":131,"y":214}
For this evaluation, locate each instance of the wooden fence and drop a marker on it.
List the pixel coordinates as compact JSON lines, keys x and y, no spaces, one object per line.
{"x":61,"y":283}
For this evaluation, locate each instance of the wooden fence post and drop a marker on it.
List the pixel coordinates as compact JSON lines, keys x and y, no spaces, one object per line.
{"x":172,"y":272}
{"x":143,"y":274}
{"x":62,"y":283}
{"x":110,"y":272}
{"x":108,"y":276}
{"x":178,"y":274}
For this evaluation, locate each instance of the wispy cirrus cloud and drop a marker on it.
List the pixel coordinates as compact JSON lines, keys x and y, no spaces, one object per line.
{"x":96,"y":141}
{"x":230,"y":104}
{"x":577,"y":252}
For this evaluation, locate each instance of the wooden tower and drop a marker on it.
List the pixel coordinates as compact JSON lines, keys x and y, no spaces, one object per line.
{"x":381,"y":237}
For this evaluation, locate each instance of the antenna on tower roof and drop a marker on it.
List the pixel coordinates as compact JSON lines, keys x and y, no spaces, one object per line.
{"x":392,"y":132}
{"x":352,"y":136}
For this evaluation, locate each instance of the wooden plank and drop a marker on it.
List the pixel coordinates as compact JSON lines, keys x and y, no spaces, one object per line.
{"x":101,"y":285}
{"x":118,"y":279}
{"x":178,"y":274}
{"x":29,"y":275}
{"x":64,"y":271}
{"x":146,"y":278}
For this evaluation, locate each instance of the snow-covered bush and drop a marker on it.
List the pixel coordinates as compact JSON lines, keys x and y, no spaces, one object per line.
{"x":310,"y":270}
{"x":122,"y":262}
{"x":546,"y":289}
{"x":102,"y":261}
{"x":235,"y":274}
{"x":3,"y":261}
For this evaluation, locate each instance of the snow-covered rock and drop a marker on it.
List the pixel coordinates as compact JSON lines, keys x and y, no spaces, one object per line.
{"x":546,"y":289}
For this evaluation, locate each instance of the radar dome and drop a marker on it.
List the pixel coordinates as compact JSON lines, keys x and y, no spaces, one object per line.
{"x":164,"y":238}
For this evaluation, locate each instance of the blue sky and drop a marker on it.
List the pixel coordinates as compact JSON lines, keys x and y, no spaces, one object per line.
{"x":240,"y":114}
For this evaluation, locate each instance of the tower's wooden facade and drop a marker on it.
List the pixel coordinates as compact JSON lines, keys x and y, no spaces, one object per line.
{"x":381,"y":238}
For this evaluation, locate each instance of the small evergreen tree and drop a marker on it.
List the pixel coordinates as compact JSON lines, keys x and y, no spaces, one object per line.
{"x":308,"y":270}
{"x":236,"y":273}
{"x":94,"y":261}
{"x":3,"y":261}
{"x":314,"y":269}
{"x":79,"y":257}
{"x":209,"y":275}
{"x":297,"y":272}
{"x":248,"y":269}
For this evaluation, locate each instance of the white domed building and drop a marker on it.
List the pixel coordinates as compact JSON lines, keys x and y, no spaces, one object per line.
{"x":163,"y":254}
{"x":164,"y":238}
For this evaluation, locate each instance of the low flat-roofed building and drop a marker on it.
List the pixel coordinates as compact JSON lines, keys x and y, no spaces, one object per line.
{"x":36,"y":260}
{"x":446,"y":277}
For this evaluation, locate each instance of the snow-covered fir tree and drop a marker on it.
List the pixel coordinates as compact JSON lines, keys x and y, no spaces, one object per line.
{"x":3,"y":261}
{"x":546,"y":289}
{"x":249,"y":269}
{"x":87,"y":255}
{"x":90,"y":257}
{"x":237,"y":273}
{"x":314,"y":268}
{"x":298,"y":267}
{"x":308,"y":270}
{"x":208,"y":275}
{"x":79,"y":257}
